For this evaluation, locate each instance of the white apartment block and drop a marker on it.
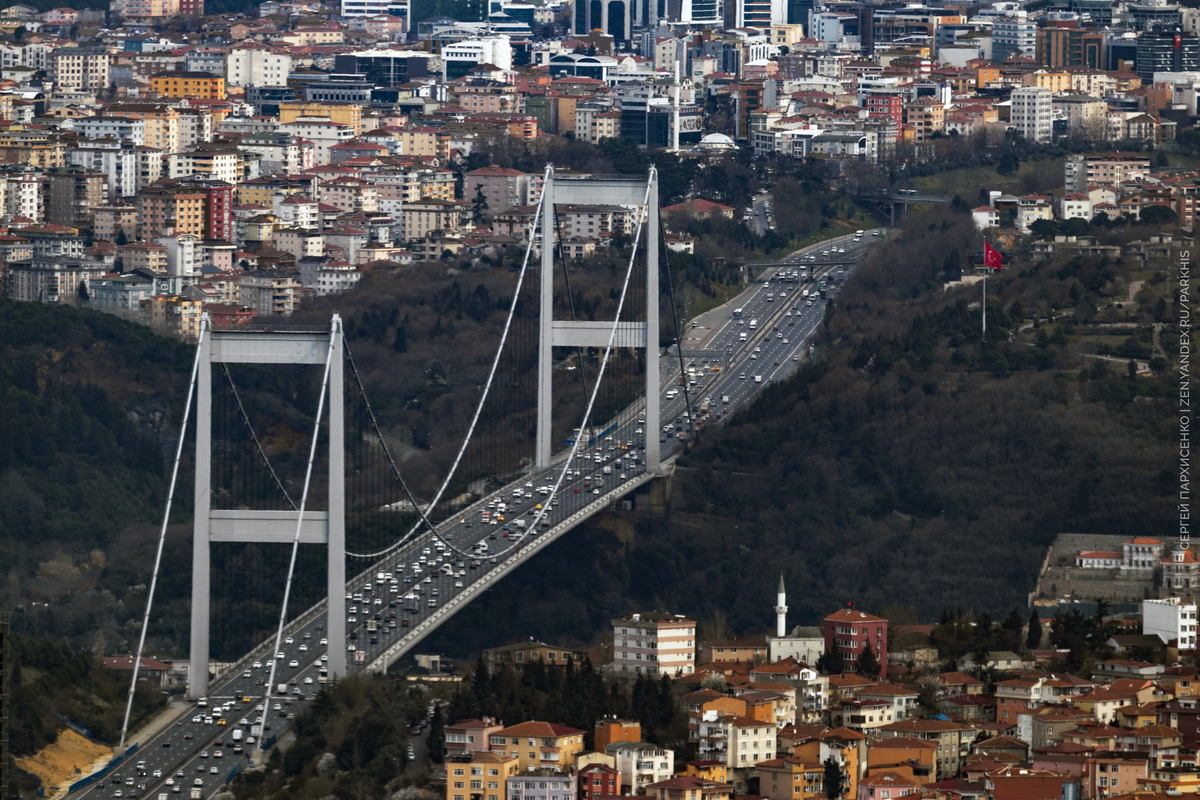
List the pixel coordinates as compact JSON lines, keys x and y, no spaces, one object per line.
{"x":749,"y":741}
{"x":641,"y":764}
{"x":256,"y":65}
{"x":122,"y":128}
{"x":79,"y":68}
{"x":654,"y":643}
{"x":1032,"y":113}
{"x":322,"y":133}
{"x":1170,"y":618}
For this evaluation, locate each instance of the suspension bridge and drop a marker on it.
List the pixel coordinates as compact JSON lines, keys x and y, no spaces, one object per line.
{"x":397,"y":565}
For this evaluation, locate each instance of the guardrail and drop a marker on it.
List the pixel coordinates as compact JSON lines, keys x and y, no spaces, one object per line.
{"x":382,"y":661}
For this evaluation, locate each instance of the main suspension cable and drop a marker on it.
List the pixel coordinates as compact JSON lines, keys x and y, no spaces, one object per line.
{"x":486,"y":388}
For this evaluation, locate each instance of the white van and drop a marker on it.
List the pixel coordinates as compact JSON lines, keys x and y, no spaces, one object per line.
{"x":758,"y":378}
{"x":671,"y":394}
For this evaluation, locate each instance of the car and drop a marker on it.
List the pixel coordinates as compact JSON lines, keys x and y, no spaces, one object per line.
{"x":198,"y":782}
{"x":129,"y":781}
{"x":217,"y":754}
{"x":742,"y":376}
{"x":169,"y":782}
{"x":324,"y":641}
{"x":117,"y":793}
{"x":280,"y":655}
{"x":288,"y":640}
{"x":796,"y":357}
{"x":212,"y":770}
{"x":308,"y":681}
{"x":293,"y":663}
{"x":204,"y":754}
{"x":158,"y":773}
{"x":198,"y":718}
{"x":175,"y":788}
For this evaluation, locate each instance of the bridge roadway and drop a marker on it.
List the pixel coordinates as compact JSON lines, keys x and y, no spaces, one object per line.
{"x":452,"y":574}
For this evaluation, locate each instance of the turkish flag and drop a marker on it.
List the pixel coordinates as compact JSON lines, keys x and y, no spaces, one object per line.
{"x":991,"y":257}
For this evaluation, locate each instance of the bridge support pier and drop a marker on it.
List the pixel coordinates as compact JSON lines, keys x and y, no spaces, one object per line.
{"x":275,"y":527}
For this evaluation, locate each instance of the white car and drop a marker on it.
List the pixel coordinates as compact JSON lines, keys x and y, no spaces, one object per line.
{"x":304,"y":647}
{"x":308,"y":681}
{"x":324,"y":641}
{"x":288,"y":640}
{"x":257,"y":665}
{"x":293,"y":663}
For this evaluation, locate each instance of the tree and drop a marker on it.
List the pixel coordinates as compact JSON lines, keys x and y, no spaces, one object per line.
{"x":868,"y":664}
{"x":122,"y":239}
{"x":400,"y":343}
{"x":1159,"y":215}
{"x":833,"y":779}
{"x":479,"y":205}
{"x":83,"y":291}
{"x":1033,"y":638}
{"x":829,"y":664}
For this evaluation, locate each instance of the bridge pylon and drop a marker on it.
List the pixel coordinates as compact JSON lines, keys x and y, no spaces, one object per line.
{"x":273,"y":527}
{"x":606,"y":190}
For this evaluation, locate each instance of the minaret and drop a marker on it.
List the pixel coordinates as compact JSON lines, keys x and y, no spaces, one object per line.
{"x":781,"y":610}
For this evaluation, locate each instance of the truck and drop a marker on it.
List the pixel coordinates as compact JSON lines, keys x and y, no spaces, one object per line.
{"x":323,"y":675}
{"x":607,"y":470}
{"x":372,"y":626}
{"x":724,"y":398}
{"x":804,"y":294}
{"x":281,"y":689}
{"x":704,"y":406}
{"x":360,"y":656}
{"x":753,"y":324}
{"x":237,"y":734}
{"x":521,"y":524}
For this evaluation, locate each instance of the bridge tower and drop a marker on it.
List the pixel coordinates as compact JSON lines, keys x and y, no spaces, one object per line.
{"x":608,"y":190}
{"x":275,"y":527}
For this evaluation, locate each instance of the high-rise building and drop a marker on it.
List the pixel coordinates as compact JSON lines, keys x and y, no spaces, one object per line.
{"x":1014,"y":37}
{"x":1071,"y":47}
{"x":1032,"y":113}
{"x":1167,"y":50}
{"x":613,"y":17}
{"x":74,"y":191}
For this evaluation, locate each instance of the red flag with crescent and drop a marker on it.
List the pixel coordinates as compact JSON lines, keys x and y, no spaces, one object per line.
{"x":991,"y":257}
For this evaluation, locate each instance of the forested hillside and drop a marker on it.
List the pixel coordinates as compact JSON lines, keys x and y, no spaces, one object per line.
{"x":914,"y":463}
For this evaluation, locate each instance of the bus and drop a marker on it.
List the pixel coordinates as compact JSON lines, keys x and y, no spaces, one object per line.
{"x":737,"y":313}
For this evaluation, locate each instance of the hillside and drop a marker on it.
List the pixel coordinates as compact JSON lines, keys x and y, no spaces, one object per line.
{"x":948,"y":461}
{"x":913,"y":464}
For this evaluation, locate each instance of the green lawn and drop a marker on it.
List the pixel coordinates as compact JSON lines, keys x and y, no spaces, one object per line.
{"x":967,"y":182}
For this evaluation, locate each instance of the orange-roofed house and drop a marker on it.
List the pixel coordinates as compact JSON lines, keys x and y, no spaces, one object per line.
{"x":539,"y":745}
{"x":1181,"y":570}
{"x":699,"y":208}
{"x":953,"y":740}
{"x":916,"y":759}
{"x":686,"y":787}
{"x":612,"y":730}
{"x":885,"y":786}
{"x":846,"y":747}
{"x":1022,"y":783}
{"x":847,"y":634}
{"x":790,"y":779}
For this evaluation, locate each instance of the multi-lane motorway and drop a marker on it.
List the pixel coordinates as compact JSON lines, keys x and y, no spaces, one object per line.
{"x":411,"y":583}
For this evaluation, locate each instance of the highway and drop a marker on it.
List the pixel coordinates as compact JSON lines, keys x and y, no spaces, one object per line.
{"x":411,"y":583}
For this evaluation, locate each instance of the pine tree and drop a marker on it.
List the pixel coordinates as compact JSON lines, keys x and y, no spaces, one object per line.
{"x":833,"y":779}
{"x":868,"y":664}
{"x":1033,"y":638}
{"x":400,"y":343}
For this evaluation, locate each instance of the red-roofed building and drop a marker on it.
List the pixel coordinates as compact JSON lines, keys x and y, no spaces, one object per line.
{"x":149,"y":669}
{"x":700,"y":208}
{"x":687,"y":787}
{"x":848,"y":632}
{"x":539,"y":745}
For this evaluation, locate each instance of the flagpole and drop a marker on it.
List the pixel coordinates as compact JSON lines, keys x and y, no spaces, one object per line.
{"x":985,"y":269}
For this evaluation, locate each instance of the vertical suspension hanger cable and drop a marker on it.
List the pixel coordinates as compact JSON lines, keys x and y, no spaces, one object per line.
{"x":687,"y":401}
{"x":162,"y":533}
{"x":287,"y":589}
{"x":562,"y":255}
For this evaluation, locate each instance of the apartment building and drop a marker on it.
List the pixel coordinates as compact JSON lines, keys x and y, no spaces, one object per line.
{"x":269,"y":292}
{"x":49,"y":279}
{"x":1032,"y":113}
{"x":254,"y":64}
{"x":543,"y":784}
{"x":689,"y":787}
{"x":953,"y":740}
{"x":79,"y":68}
{"x":847,"y":634}
{"x":790,"y":778}
{"x":163,"y":212}
{"x":202,"y":85}
{"x":478,"y":774}
{"x":654,"y":643}
{"x":74,"y":192}
{"x":641,"y":764}
{"x":171,"y":315}
{"x":538,"y":745}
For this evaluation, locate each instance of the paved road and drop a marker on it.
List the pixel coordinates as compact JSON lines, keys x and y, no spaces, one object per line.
{"x":409,"y":584}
